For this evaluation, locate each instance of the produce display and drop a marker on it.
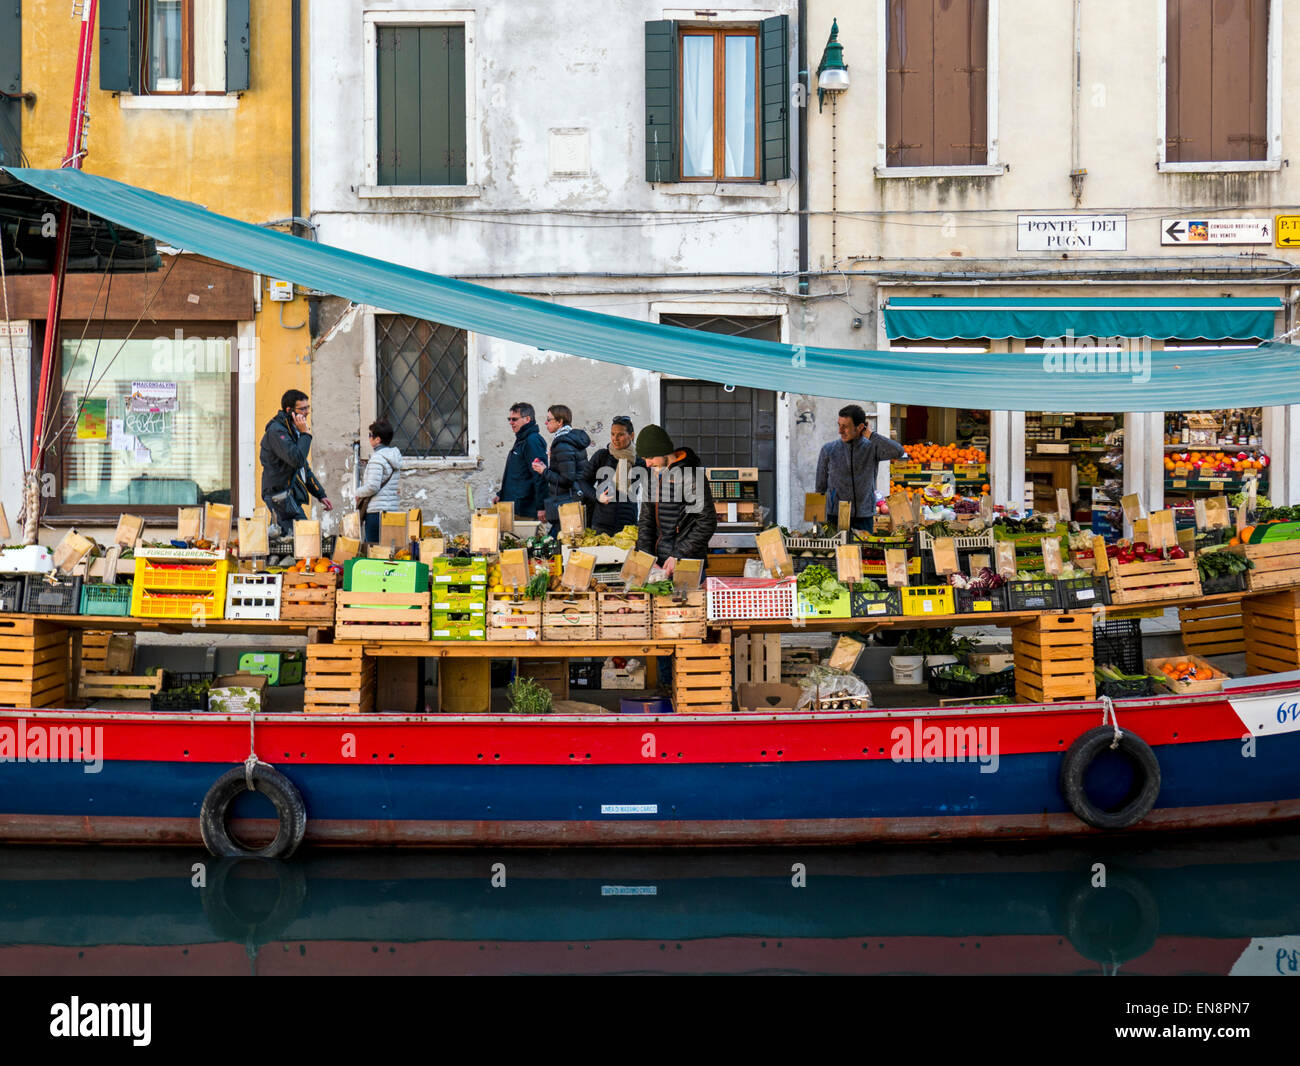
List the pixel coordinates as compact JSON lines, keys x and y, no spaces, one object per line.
{"x":819,"y":586}
{"x":945,"y":453}
{"x":1219,"y":464}
{"x":624,"y":538}
{"x":1214,"y":564}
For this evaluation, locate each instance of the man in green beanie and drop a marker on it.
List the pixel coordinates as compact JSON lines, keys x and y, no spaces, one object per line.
{"x":677,"y":515}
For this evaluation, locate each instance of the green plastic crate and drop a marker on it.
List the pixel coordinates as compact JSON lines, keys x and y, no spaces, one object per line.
{"x":385,"y":575}
{"x":457,"y":570}
{"x":107,"y":600}
{"x":840,"y":607}
{"x":279,"y":667}
{"x":458,"y":625}
{"x":472,"y":598}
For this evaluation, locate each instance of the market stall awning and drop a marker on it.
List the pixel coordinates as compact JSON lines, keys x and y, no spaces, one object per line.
{"x":944,"y":318}
{"x":1139,"y":381}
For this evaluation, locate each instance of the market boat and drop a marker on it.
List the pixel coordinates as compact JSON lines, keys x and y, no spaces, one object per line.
{"x":1016,"y":771}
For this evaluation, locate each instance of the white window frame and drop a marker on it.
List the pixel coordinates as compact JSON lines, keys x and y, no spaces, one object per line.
{"x":371,"y":21}
{"x":992,"y":167}
{"x":369,"y":383}
{"x":1273,"y":123}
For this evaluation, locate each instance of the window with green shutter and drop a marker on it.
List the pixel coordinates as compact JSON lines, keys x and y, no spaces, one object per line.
{"x":420,"y":105}
{"x":174,"y":47}
{"x":717,"y":102}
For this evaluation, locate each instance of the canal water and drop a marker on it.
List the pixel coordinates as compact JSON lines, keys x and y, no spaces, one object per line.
{"x":1224,"y":904}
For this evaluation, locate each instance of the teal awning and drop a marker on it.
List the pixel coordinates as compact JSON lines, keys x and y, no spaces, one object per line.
{"x":944,"y":318}
{"x":1173,"y":380}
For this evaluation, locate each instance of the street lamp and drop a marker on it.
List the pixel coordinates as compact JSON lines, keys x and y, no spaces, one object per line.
{"x":832,"y":74}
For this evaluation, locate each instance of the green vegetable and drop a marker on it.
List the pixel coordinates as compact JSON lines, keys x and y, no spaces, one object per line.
{"x":529,"y":697}
{"x":819,"y":586}
{"x":537,"y":586}
{"x":657,"y":588}
{"x":1210,"y":564}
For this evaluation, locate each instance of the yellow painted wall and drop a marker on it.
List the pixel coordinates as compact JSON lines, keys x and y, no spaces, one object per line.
{"x":236,"y":162}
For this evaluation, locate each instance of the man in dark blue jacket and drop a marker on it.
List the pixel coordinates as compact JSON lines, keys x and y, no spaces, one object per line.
{"x":287,"y":481}
{"x":519,"y":484}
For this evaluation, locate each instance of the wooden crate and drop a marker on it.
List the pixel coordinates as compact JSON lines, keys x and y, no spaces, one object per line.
{"x":1212,"y":630}
{"x":623,"y":615}
{"x":119,"y":686}
{"x":339,"y":680}
{"x":510,"y":618}
{"x":569,"y":616}
{"x":1271,"y":628}
{"x":1054,"y":659}
{"x":702,"y":679}
{"x":1168,"y":579}
{"x":308,"y":597}
{"x":94,"y":651}
{"x":756,"y":658}
{"x":679,"y":617}
{"x":551,"y":674}
{"x":381,"y":616}
{"x":33,"y":663}
{"x":1156,"y":667}
{"x":1275,"y":565}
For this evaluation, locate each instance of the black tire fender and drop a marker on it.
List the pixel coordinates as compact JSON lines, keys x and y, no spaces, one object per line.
{"x":1080,"y":756}
{"x":289,"y":808}
{"x":229,"y":911}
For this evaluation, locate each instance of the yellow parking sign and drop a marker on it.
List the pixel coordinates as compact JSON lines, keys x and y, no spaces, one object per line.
{"x":1286,"y":234}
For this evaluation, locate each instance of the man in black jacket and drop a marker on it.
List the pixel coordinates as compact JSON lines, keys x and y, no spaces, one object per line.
{"x":615,"y":506}
{"x":287,"y":480}
{"x":677,"y":515}
{"x":565,"y":477}
{"x":519,"y":484}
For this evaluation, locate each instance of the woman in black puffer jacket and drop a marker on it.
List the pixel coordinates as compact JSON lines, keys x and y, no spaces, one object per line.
{"x":565,"y":475}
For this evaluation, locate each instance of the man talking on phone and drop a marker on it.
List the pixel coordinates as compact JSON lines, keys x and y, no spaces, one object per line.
{"x":287,"y":481}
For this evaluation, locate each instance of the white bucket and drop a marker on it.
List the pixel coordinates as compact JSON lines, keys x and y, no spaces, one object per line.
{"x":907,"y":669}
{"x":940,"y":660}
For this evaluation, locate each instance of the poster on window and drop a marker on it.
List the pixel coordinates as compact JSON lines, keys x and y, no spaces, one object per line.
{"x":92,"y":419}
{"x":152,"y":396}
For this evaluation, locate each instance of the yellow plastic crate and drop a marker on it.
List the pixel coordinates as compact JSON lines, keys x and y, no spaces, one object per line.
{"x":928,"y":599}
{"x":179,"y":590}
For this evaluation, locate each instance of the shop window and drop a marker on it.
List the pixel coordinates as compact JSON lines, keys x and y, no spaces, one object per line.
{"x":1216,"y":91}
{"x":145,"y":424}
{"x":422,"y":382}
{"x":936,"y":83}
{"x":420,"y":112}
{"x":174,"y":47}
{"x":717,"y":102}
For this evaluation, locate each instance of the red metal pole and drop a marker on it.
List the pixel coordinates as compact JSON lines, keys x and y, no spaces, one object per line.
{"x":72,"y":159}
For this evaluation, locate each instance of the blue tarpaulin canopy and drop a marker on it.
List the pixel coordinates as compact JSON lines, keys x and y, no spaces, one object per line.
{"x":1154,"y":381}
{"x":1163,"y":317}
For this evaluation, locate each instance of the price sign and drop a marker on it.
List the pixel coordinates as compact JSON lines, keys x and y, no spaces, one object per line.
{"x":895,"y":567}
{"x":848,"y":563}
{"x":814,"y":507}
{"x":1006,"y":557}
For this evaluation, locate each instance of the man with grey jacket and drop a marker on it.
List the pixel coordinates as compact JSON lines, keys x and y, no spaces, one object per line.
{"x":379,"y":486}
{"x":846,"y":468}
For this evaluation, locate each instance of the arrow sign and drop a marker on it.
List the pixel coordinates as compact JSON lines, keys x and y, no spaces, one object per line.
{"x":1176,"y":230}
{"x":1199,"y":231}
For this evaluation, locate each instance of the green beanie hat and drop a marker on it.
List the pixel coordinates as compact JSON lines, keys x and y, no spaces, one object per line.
{"x":652,"y":441}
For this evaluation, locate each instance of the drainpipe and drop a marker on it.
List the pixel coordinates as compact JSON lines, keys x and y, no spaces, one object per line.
{"x":1077,"y":173}
{"x":295,"y":121}
{"x":804,"y":111}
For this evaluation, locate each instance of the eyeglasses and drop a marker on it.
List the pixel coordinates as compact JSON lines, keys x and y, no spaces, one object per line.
{"x":513,"y":418}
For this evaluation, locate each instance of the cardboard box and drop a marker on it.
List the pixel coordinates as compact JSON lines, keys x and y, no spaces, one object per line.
{"x":237,"y":693}
{"x":752,"y":697}
{"x":631,"y":676}
{"x":991,"y":660}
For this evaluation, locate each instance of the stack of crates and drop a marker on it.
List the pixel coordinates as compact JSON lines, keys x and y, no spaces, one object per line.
{"x":179,"y":589}
{"x":459,"y":598}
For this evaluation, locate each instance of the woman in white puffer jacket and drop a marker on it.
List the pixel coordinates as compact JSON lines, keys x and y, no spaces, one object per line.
{"x":380,"y":484}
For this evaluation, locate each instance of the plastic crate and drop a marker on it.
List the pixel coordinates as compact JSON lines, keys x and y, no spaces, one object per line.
{"x":1145,"y":686}
{"x":867,"y":604}
{"x":1076,"y":593}
{"x":1032,"y":595}
{"x":837,"y":608}
{"x":928,"y":599}
{"x":279,"y":667}
{"x":826,"y":544}
{"x":108,"y":600}
{"x":456,"y":570}
{"x":461,"y":598}
{"x":585,"y":675}
{"x":1119,"y":643}
{"x":11,"y":593}
{"x":1211,"y":586}
{"x":179,"y":590}
{"x":174,"y":698}
{"x":975,"y":542}
{"x":284,"y":546}
{"x":951,"y":687}
{"x":46,"y":594}
{"x":980,"y":601}
{"x":387,"y":575}
{"x":253,"y":596}
{"x":731,"y":598}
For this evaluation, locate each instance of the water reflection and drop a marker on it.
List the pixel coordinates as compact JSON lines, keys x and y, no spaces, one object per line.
{"x":1191,"y":906}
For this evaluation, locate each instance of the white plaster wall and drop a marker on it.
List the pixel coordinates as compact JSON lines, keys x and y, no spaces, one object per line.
{"x":15,"y":418}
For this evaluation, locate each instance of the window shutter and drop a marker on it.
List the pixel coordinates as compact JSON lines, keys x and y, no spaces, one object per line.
{"x":662,"y":127}
{"x":11,"y":81}
{"x":119,"y":46}
{"x":774,"y":47}
{"x":237,"y":45}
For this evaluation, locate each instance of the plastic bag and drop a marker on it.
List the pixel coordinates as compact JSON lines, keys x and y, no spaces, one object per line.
{"x":825,"y":687}
{"x":755,"y":568}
